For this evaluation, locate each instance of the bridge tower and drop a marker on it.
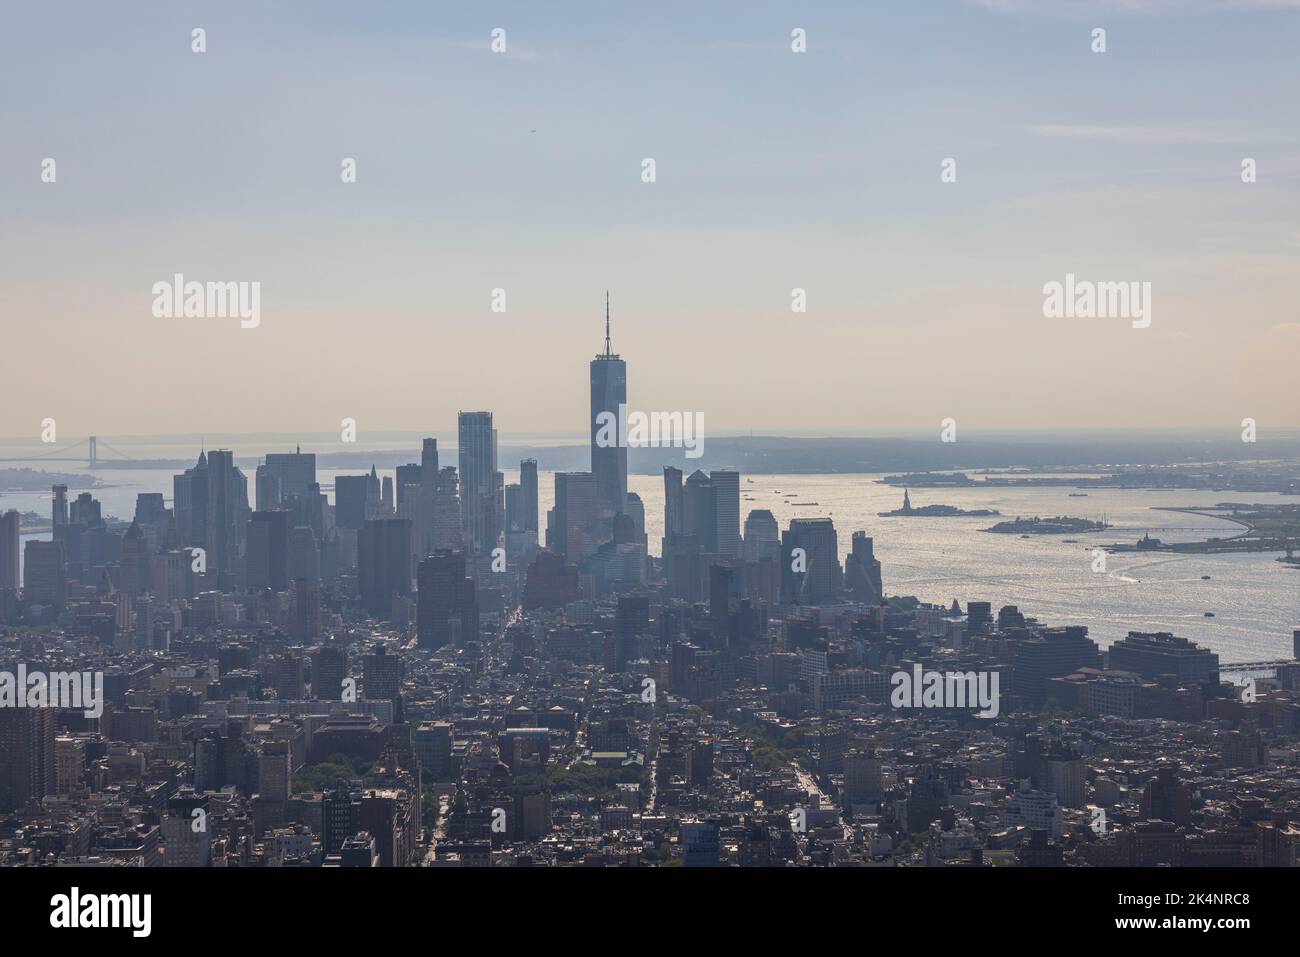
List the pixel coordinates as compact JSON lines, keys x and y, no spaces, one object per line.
{"x":91,"y":443}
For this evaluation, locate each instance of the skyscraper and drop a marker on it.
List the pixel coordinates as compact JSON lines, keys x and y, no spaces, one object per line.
{"x":350,"y":500}
{"x":608,"y":458}
{"x":762,"y":536}
{"x":296,"y":472}
{"x":446,"y":595}
{"x":814,"y":576}
{"x":227,"y":509}
{"x":528,"y":483}
{"x":9,"y":524}
{"x":267,"y":551}
{"x":700,"y":512}
{"x":383,"y":564}
{"x":726,"y":511}
{"x":27,"y":764}
{"x":429,"y":466}
{"x":478,"y":482}
{"x":576,"y":515}
{"x":60,"y":505}
{"x":44,"y":573}
{"x":673,"y":506}
{"x":135,"y":566}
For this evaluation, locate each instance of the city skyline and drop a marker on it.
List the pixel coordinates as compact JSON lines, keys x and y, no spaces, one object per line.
{"x":730,"y":436}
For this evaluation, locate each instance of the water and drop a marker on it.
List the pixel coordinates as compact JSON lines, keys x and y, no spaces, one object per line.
{"x":1256,"y":600}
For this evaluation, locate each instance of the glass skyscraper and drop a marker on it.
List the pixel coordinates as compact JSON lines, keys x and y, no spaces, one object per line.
{"x":608,"y":392}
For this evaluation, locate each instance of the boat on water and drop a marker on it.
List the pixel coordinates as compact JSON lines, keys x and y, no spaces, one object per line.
{"x":1209,"y":614}
{"x":1205,"y":578}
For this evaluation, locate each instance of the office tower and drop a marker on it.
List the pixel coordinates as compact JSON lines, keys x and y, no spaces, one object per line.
{"x":383,"y":564}
{"x":1051,"y":653}
{"x":448,"y":527}
{"x":528,"y":482}
{"x":306,"y":609}
{"x":762,"y":536}
{"x":190,"y":503}
{"x":70,"y":763}
{"x":520,"y":540}
{"x":514,"y":508}
{"x":819,"y":580}
{"x":268,"y":551}
{"x":170,"y":576}
{"x":184,"y":845}
{"x":674,"y":507}
{"x":429,"y":466}
{"x":634,"y":509}
{"x":302,"y":554}
{"x":432,"y":741}
{"x":631,"y":620}
{"x":381,"y":675}
{"x":726,"y":511}
{"x":723,"y":592}
{"x":135,"y":567}
{"x":27,"y":763}
{"x":387,"y":505}
{"x":60,"y":503}
{"x":862,"y":579}
{"x":576,"y":516}
{"x":44,"y":573}
{"x":1161,"y":653}
{"x":550,"y":582}
{"x":295,"y":471}
{"x":392,"y":818}
{"x":227,"y":510}
{"x":863,"y":780}
{"x":274,"y":770}
{"x":447,"y":607}
{"x":9,"y":526}
{"x":289,"y":676}
{"x":150,"y":512}
{"x":609,"y":454}
{"x":350,"y":500}
{"x":329,"y":666}
{"x":86,"y":511}
{"x":374,"y":498}
{"x":267,"y":486}
{"x":478,"y":478}
{"x":411,"y":474}
{"x":699,"y":517}
{"x":340,"y":816}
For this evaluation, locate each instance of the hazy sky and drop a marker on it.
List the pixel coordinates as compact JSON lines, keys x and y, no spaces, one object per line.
{"x":775,"y":170}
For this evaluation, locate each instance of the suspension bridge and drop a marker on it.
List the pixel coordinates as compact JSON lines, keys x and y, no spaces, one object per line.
{"x":91,"y":445}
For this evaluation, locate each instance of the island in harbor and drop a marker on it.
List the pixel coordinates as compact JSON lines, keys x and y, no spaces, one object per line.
{"x":932,"y":511}
{"x":1056,"y":525}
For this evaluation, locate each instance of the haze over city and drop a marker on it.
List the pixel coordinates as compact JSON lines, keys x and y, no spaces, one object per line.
{"x":522,"y":172}
{"x":589,"y":439}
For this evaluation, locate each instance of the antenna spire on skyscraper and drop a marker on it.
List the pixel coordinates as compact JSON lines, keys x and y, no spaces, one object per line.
{"x":608,"y":349}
